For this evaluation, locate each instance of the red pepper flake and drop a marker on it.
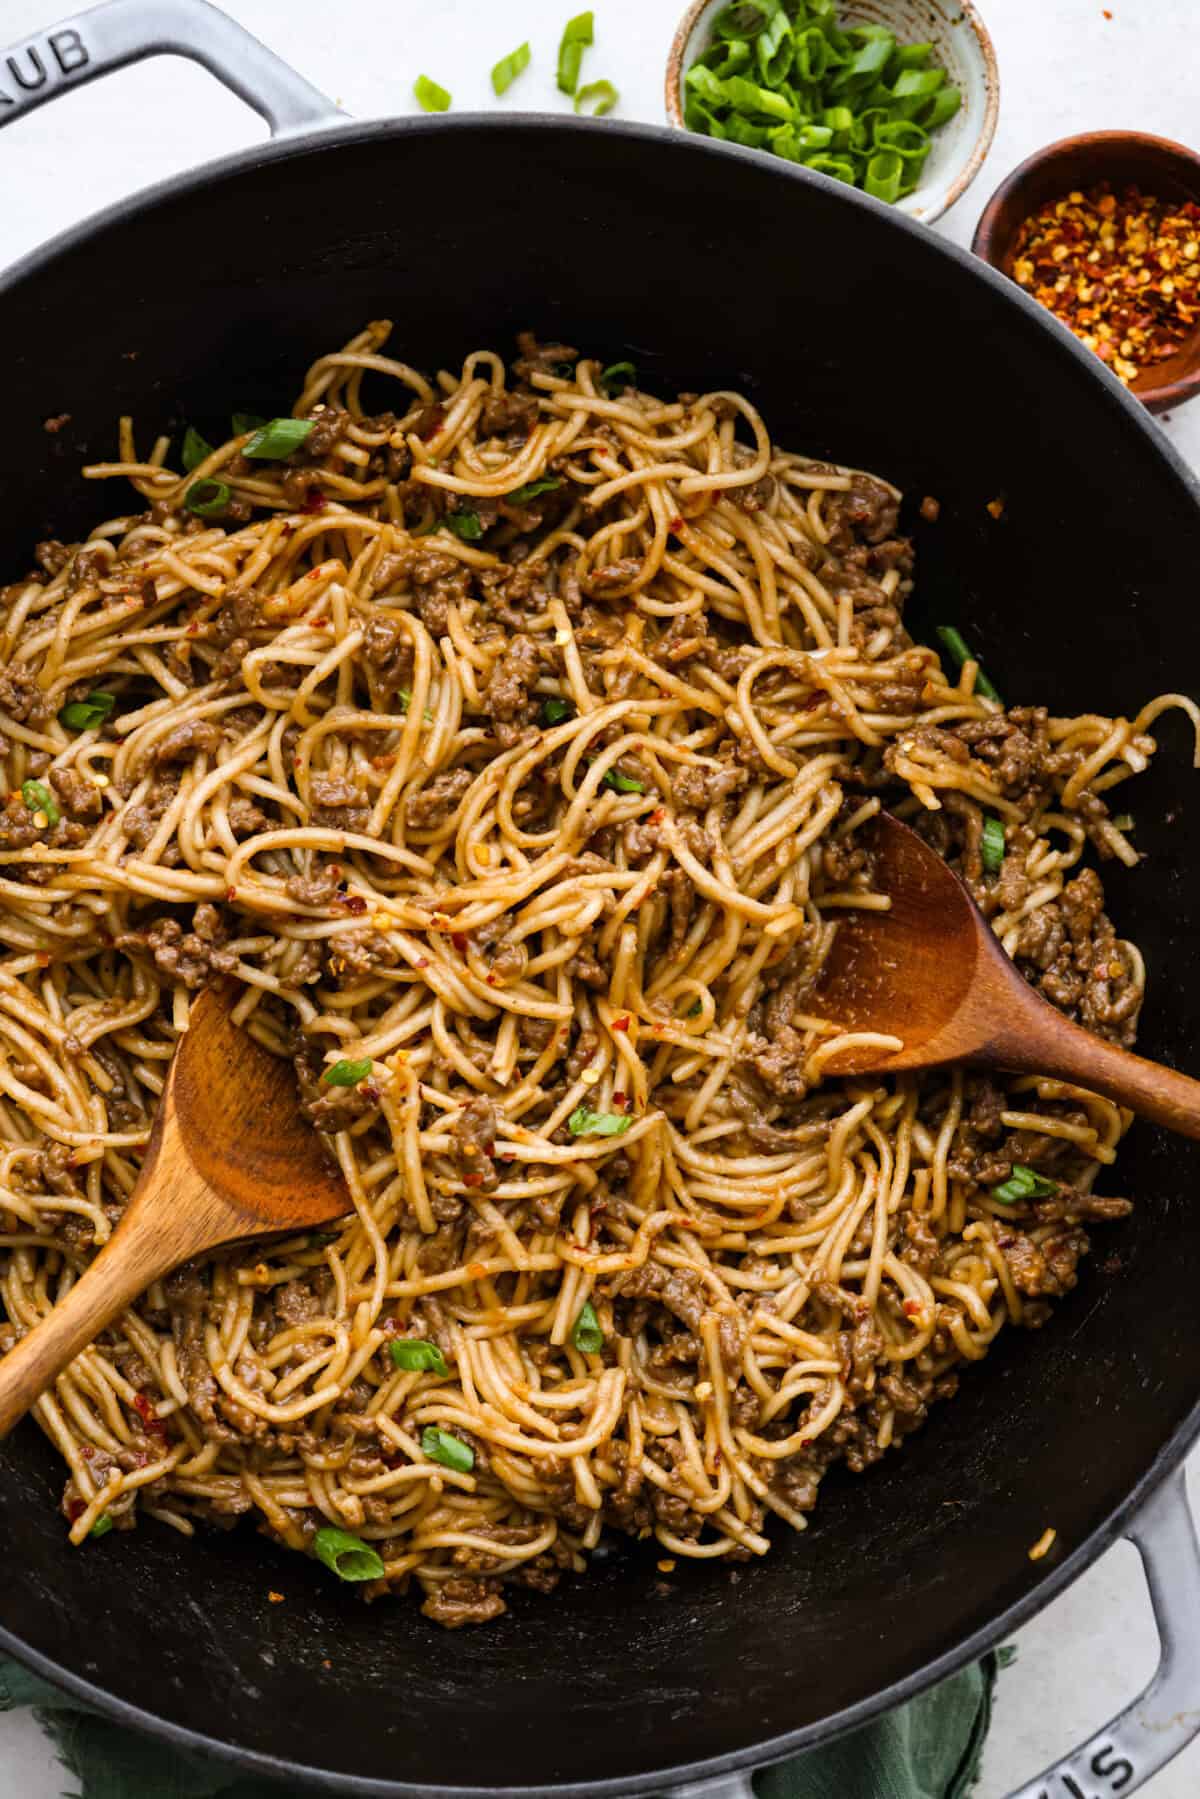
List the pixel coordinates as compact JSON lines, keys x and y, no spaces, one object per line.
{"x":676,"y":525}
{"x":473,"y":1180}
{"x":658,"y":814}
{"x":353,"y":902}
{"x":619,"y":1101}
{"x":314,"y":501}
{"x":622,"y":1023}
{"x":1120,"y":268}
{"x":149,"y":1417}
{"x":459,"y":940}
{"x":493,"y":979}
{"x":231,"y":894}
{"x":912,"y":1308}
{"x":506,"y":1156}
{"x":43,"y":959}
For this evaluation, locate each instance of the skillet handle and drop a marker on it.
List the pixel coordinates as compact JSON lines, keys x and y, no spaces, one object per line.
{"x":1166,"y":1716}
{"x":123,"y":31}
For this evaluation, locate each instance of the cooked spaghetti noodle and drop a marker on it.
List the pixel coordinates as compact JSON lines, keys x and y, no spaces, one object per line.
{"x":508,"y":750}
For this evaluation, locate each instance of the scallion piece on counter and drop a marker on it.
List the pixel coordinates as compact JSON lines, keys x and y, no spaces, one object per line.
{"x":278,"y":438}
{"x":465,"y":524}
{"x":195,"y":449}
{"x":583,"y":1122}
{"x":622,"y":783}
{"x":587,"y":1336}
{"x":544,"y":484}
{"x":508,"y":68}
{"x":991,"y":845}
{"x":86,"y":714}
{"x":577,"y":35}
{"x":598,"y":97}
{"x":617,"y":377}
{"x":416,"y":1355}
{"x":1024,"y":1183}
{"x":430,"y":97}
{"x":958,"y":649}
{"x":349,"y":1557}
{"x":207,"y":498}
{"x":40,"y":800}
{"x":102,"y":1526}
{"x":348,"y":1074}
{"x":444,"y":1447}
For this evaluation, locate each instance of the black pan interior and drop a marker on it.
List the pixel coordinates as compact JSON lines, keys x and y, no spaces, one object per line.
{"x":865,"y":340}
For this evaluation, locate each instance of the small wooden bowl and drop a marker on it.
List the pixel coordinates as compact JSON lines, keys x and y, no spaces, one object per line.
{"x":1160,"y":168}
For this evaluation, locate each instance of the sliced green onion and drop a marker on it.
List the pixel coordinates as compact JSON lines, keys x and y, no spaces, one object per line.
{"x":207,"y":498}
{"x":622,"y":783}
{"x":444,"y":1447}
{"x":430,"y":97}
{"x":991,"y":845}
{"x":195,"y":449}
{"x":554,"y":711}
{"x":102,"y":1526}
{"x":278,"y":438}
{"x":348,"y":1074}
{"x":544,"y":484}
{"x":416,"y":1355}
{"x":38,"y":798}
{"x":587,"y":1335}
{"x":349,"y":1557}
{"x":583,"y":1122}
{"x":508,"y":68}
{"x":577,"y":35}
{"x":958,"y":648}
{"x":246,"y":421}
{"x":884,"y":176}
{"x":1024,"y":1183}
{"x":617,"y":377}
{"x":465,"y":524}
{"x":85,"y":715}
{"x":602,"y":93}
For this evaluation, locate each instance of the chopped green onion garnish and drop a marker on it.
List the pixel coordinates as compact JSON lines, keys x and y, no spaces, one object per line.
{"x":991,"y":845}
{"x":583,"y":1122}
{"x":957,"y":647}
{"x":102,"y":1526}
{"x":195,"y":449}
{"x":38,"y":798}
{"x":618,"y":376}
{"x":84,"y":715}
{"x":465,"y":524}
{"x":278,"y":438}
{"x":622,"y":783}
{"x":1024,"y":1183}
{"x":444,"y":1447}
{"x":349,"y":1557}
{"x":246,"y":421}
{"x":418,"y":1356}
{"x":531,"y":489}
{"x":554,"y":711}
{"x":587,"y":1335}
{"x":601,"y":96}
{"x":508,"y":68}
{"x":577,"y":35}
{"x":348,"y":1074}
{"x":207,"y":498}
{"x":430,"y":97}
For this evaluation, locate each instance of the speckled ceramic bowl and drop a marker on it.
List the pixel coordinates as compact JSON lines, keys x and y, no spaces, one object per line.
{"x":963,"y":48}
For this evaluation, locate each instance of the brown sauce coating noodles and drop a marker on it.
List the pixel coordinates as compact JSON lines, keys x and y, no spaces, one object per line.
{"x":513,"y":742}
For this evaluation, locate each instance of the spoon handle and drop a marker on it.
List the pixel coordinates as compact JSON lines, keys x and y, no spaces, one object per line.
{"x":125,"y":1267}
{"x":1065,"y":1050}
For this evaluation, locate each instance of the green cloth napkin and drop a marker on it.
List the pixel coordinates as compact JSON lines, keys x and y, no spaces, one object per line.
{"x":928,"y":1749}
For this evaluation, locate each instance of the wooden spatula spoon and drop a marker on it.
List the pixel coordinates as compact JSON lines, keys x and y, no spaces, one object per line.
{"x":931,"y":972}
{"x":230,"y":1157}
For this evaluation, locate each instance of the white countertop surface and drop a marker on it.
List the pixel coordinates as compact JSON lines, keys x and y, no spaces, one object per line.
{"x":1064,"y":67}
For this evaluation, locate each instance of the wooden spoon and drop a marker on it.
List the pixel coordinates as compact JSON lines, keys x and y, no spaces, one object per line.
{"x":931,"y":972}
{"x":230,"y":1157}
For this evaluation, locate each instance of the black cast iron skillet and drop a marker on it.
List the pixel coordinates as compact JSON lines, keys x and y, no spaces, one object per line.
{"x":865,"y":339}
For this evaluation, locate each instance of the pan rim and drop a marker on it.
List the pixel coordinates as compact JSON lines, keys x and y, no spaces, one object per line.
{"x":339,"y":132}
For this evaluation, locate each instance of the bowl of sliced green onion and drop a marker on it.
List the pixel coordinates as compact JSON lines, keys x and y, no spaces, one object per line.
{"x":896,"y":97}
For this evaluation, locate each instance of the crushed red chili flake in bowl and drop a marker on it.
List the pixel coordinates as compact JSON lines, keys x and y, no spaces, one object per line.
{"x":1103,"y":230}
{"x":1122,"y":269}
